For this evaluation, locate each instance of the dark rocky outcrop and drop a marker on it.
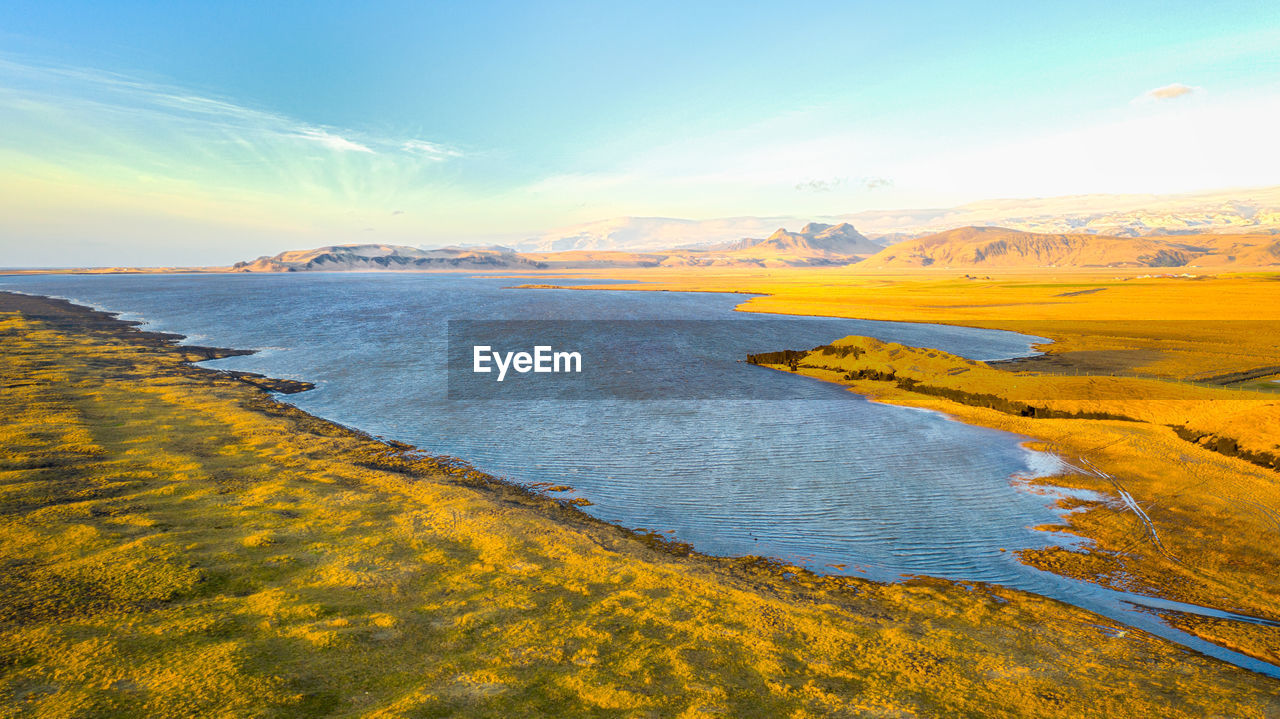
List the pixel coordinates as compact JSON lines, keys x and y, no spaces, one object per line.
{"x":1228,"y":446}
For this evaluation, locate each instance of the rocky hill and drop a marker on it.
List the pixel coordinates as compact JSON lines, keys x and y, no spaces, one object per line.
{"x":387,"y":257}
{"x":1003,"y":247}
{"x":814,"y":239}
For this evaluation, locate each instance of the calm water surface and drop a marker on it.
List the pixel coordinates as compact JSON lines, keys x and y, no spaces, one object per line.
{"x":823,"y":478}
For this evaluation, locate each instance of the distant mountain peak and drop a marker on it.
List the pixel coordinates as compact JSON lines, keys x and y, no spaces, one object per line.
{"x":815,"y":238}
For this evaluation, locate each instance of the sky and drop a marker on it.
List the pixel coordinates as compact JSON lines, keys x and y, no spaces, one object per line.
{"x":147,"y":133}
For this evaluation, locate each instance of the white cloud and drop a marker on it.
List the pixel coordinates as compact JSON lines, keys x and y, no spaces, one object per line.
{"x":821,"y":185}
{"x":332,"y":141}
{"x":1169,"y":92}
{"x":861,"y":183}
{"x":430,"y":150}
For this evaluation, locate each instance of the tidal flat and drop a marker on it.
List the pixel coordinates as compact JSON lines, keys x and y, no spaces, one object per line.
{"x":178,"y":542}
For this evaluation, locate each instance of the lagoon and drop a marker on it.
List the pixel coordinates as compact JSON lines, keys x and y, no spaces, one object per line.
{"x":769,"y":464}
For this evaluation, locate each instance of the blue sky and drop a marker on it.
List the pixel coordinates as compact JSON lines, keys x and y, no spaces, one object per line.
{"x":201,"y":132}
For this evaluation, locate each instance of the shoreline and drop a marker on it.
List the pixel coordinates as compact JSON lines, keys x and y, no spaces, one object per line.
{"x":1045,"y":352}
{"x":774,"y":567}
{"x":1096,"y":562}
{"x":847,"y":603}
{"x":1100,"y":559}
{"x":194,"y":354}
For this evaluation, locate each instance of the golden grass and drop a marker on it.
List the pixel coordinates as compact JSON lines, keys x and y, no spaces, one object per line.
{"x":1251,"y":417}
{"x":1211,"y":514}
{"x":1190,"y":491}
{"x":174,"y":543}
{"x":1159,"y":350}
{"x":1170,"y":327}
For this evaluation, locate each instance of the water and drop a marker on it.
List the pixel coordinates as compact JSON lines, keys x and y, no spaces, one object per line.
{"x":823,"y":479}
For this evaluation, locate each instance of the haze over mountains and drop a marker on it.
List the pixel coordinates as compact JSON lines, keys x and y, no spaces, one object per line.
{"x":818,"y":245}
{"x":1229,"y":228}
{"x":1224,"y":211}
{"x":1232,"y":211}
{"x":814,"y":245}
{"x":652,"y":233}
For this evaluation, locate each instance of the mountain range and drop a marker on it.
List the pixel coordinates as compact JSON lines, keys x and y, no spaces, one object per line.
{"x":1002,"y":247}
{"x":816,"y":245}
{"x":1226,"y":211}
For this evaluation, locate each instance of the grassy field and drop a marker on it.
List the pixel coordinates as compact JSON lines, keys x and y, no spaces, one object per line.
{"x":1158,"y":387}
{"x":1111,"y":321}
{"x":175,"y":543}
{"x":1206,"y":532}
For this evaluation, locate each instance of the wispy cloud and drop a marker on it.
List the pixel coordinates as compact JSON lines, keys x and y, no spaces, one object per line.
{"x":1169,"y":92}
{"x":821,"y":185}
{"x":138,"y":141}
{"x":431,"y":150}
{"x":152,"y":161}
{"x":160,"y":105}
{"x":862,"y":183}
{"x":332,"y":141}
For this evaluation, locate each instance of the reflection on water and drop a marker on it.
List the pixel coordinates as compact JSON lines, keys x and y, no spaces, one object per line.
{"x":824,"y":479}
